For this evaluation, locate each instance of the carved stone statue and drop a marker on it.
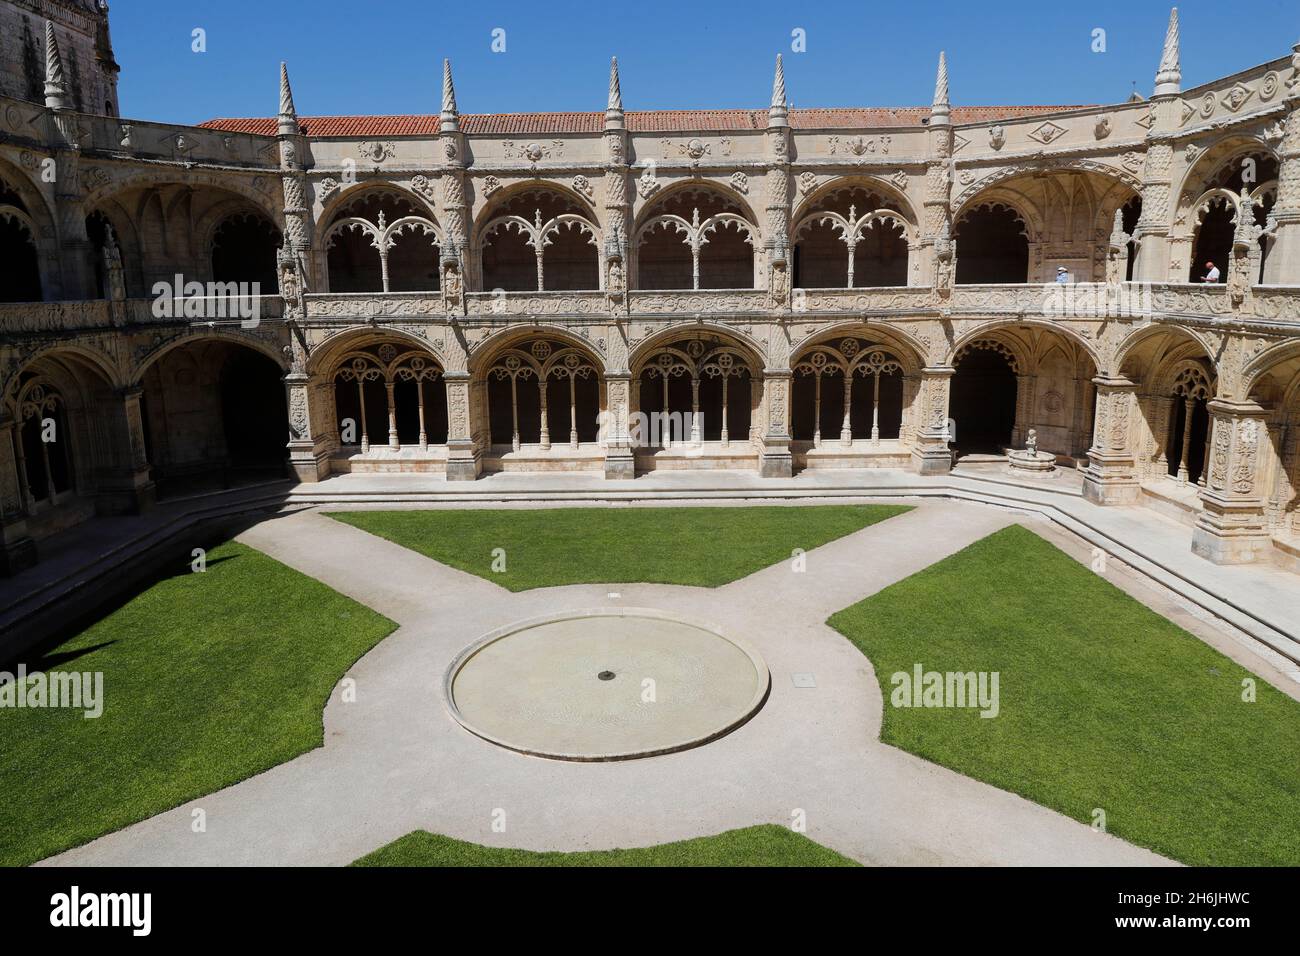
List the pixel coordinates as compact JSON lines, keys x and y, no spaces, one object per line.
{"x":945,"y":249}
{"x":1031,"y":443}
{"x":114,"y":278}
{"x":779,"y":285}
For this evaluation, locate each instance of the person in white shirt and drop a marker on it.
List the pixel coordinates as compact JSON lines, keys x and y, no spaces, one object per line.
{"x":1062,"y":275}
{"x":1211,"y":273}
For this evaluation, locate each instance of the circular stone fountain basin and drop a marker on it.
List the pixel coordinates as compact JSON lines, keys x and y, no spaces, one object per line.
{"x":605,"y":684}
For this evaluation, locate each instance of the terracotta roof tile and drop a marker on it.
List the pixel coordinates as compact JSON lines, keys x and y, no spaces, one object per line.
{"x":638,"y":121}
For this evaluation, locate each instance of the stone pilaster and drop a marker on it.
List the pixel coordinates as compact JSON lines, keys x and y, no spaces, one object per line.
{"x":309,"y":428}
{"x":930,"y":452}
{"x":17,"y":549}
{"x":462,"y":455}
{"x":1231,"y":528}
{"x":1283,"y":263}
{"x":1111,"y":476}
{"x":776,"y":460}
{"x":619,"y":460}
{"x":127,"y":487}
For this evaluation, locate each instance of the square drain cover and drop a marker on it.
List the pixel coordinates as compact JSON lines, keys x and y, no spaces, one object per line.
{"x":803,"y":680}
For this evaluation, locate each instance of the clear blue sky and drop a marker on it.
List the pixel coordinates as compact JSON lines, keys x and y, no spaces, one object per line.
{"x":385,"y":56}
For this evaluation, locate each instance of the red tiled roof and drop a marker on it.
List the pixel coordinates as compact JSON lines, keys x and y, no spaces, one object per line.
{"x":638,"y":121}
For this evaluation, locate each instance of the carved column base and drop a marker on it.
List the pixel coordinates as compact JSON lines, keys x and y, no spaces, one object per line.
{"x":463,"y":462}
{"x":931,"y":458}
{"x":17,"y":549}
{"x":307,"y":462}
{"x":619,"y":463}
{"x":128,"y":496}
{"x":1229,"y":532}
{"x":1232,"y":527}
{"x":776,"y":461}
{"x":1110,"y":482}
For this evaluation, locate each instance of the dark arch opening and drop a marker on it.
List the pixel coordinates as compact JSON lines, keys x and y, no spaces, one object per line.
{"x":244,"y":249}
{"x":20,"y":274}
{"x":983,"y":403}
{"x":991,"y":246}
{"x":254,"y":415}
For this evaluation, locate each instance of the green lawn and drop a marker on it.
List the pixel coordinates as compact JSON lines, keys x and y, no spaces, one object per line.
{"x":546,"y":547}
{"x":208,"y":678}
{"x":1104,"y":703}
{"x":766,"y":845}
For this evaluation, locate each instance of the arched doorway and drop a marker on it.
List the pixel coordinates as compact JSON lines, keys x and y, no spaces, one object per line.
{"x":983,"y":398}
{"x":215,"y":416}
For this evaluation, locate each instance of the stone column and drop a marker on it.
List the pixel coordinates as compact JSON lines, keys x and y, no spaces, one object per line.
{"x":1111,"y":476}
{"x":309,"y":428}
{"x":619,"y":462}
{"x":1282,"y":266}
{"x":462,"y":456}
{"x":17,"y":549}
{"x":930,"y":452}
{"x":1231,"y":528}
{"x":776,"y":460}
{"x":127,"y":489}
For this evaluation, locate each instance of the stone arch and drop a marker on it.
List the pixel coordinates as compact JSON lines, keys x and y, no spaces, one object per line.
{"x":265,"y":200}
{"x":266,"y":346}
{"x":755,"y":353}
{"x":897,"y":198}
{"x":206,"y":232}
{"x":993,"y":239}
{"x":537,"y":385}
{"x":213,"y":410}
{"x":380,"y":249}
{"x":485,"y":353}
{"x":855,"y":231}
{"x":28,"y":213}
{"x":323,"y":359}
{"x":506,"y":194}
{"x":538,"y":236}
{"x":909,"y":350}
{"x":975,"y":189}
{"x":696,"y":235}
{"x":75,"y":390}
{"x":872,"y":393}
{"x":695,"y":385}
{"x":375,"y":378}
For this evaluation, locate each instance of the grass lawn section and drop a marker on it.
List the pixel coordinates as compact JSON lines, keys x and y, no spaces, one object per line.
{"x":767,"y":845}
{"x":546,"y":547}
{"x":1104,"y":703}
{"x":208,"y":678}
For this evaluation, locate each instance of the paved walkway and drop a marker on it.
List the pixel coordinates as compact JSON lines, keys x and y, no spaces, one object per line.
{"x":394,"y":761}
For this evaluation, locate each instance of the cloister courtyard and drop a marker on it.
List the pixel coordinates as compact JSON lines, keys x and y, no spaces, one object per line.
{"x":747,"y":486}
{"x":293,"y":697}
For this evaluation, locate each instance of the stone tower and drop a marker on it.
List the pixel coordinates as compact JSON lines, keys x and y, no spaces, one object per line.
{"x":81,"y":30}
